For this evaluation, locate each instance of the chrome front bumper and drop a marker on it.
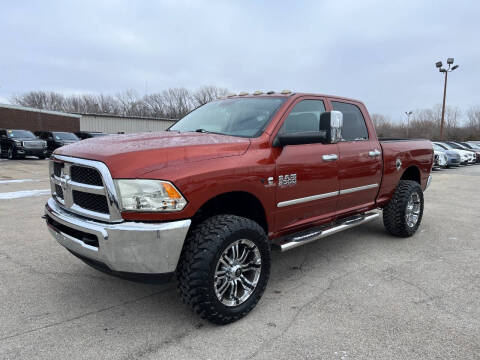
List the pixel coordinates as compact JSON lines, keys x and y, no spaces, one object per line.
{"x":130,"y":247}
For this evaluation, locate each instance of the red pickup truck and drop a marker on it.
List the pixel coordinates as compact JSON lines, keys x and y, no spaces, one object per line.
{"x":208,"y":198}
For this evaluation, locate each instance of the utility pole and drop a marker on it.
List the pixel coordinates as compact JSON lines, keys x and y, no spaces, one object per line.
{"x":408,"y":113}
{"x":446,"y":71}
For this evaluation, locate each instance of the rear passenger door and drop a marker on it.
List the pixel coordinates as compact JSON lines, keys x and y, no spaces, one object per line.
{"x":360,"y":160}
{"x":306,"y":174}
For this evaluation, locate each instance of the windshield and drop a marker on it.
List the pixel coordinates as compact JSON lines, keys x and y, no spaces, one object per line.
{"x":474,"y":146}
{"x":445,"y":146}
{"x":64,"y":136}
{"x":438,"y":147}
{"x":456,"y":146}
{"x":22,"y":134}
{"x":245,"y":117}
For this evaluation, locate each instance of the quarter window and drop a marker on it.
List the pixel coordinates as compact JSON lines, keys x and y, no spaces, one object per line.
{"x":354,"y":127}
{"x":305,"y":116}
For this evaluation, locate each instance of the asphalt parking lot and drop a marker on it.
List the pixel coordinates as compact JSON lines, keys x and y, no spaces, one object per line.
{"x":361,"y":294}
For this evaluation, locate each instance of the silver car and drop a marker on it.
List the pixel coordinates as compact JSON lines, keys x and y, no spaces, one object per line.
{"x":453,"y":157}
{"x":465,"y":156}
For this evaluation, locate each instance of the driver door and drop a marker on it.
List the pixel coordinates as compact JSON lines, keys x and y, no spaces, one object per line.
{"x":306,"y":174}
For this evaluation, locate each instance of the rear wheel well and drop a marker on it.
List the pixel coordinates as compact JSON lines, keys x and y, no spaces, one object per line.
{"x":412,"y":173}
{"x":237,"y":203}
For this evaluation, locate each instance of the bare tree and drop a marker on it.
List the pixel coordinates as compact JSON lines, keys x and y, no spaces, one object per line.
{"x":208,"y":93}
{"x":177,"y":102}
{"x":171,"y":103}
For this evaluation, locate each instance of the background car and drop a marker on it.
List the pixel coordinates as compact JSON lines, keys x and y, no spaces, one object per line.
{"x":471,"y":144}
{"x":453,"y":156}
{"x":472,"y":153}
{"x":89,"y":134}
{"x":440,"y":159}
{"x":16,"y":143}
{"x":472,"y":147}
{"x":56,"y":139}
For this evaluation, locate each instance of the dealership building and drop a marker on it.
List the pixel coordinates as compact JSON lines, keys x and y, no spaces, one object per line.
{"x":19,"y":117}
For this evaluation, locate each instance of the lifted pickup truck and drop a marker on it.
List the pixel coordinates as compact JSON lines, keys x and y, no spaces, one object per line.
{"x":208,"y":198}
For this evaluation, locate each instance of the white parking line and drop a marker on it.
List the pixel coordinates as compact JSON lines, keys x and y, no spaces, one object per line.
{"x":17,"y":181}
{"x":24,"y":193}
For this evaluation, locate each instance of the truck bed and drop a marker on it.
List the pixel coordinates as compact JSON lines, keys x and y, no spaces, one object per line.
{"x":398,"y":156}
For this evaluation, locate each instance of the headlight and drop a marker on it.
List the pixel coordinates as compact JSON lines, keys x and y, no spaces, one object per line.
{"x":149,"y":195}
{"x":18,"y":142}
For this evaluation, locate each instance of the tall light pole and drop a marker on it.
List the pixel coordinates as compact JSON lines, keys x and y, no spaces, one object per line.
{"x":446,"y":71}
{"x":408,"y":113}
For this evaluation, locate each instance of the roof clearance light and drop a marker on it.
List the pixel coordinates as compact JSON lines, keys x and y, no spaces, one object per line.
{"x":270,"y":92}
{"x":258,"y":92}
{"x":230,"y":95}
{"x":286,"y":92}
{"x":243,"y":93}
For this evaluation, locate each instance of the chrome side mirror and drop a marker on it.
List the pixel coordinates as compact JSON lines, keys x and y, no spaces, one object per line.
{"x":332,"y":122}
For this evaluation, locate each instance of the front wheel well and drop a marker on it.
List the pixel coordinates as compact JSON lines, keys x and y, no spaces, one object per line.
{"x":412,"y":173}
{"x":239,"y":203}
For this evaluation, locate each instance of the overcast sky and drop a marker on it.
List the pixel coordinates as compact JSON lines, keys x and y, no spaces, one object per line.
{"x":381,"y":52}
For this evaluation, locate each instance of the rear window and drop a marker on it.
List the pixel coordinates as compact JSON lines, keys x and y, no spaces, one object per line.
{"x":354,"y":127}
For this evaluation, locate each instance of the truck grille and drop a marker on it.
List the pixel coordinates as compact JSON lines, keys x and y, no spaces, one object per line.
{"x":92,"y":202}
{"x":57,"y":168}
{"x":59,"y":191}
{"x":85,"y":175}
{"x":33,"y":144}
{"x":84,"y":187}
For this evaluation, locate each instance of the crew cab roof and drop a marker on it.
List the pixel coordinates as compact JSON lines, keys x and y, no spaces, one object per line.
{"x":286,"y":95}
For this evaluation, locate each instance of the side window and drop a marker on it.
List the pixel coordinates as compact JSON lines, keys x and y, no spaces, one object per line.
{"x":354,"y":127}
{"x":305,"y":116}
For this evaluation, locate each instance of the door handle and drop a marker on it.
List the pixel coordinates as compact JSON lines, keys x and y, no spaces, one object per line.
{"x":374,"y":153}
{"x":330,"y":157}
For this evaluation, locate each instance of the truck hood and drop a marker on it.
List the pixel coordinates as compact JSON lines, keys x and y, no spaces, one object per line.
{"x":26,"y":139}
{"x":133,"y":155}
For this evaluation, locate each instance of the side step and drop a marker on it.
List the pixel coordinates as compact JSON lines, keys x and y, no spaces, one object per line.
{"x":307,"y":236}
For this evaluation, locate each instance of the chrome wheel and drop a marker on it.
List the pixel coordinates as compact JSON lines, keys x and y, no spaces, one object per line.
{"x":237,"y":272}
{"x":412,"y":213}
{"x":10,"y":153}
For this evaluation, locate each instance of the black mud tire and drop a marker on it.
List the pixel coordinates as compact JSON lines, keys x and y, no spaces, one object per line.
{"x":195,"y":272}
{"x":41,"y":157}
{"x":394,"y":213}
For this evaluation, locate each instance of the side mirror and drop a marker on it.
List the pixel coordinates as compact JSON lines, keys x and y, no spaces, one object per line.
{"x":331,"y":123}
{"x":299,"y":138}
{"x":3,"y":136}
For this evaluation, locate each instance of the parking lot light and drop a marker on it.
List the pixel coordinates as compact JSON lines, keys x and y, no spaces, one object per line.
{"x":439,"y":64}
{"x":408,"y":113}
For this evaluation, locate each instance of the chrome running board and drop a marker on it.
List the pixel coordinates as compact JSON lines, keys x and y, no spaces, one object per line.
{"x":307,"y":236}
